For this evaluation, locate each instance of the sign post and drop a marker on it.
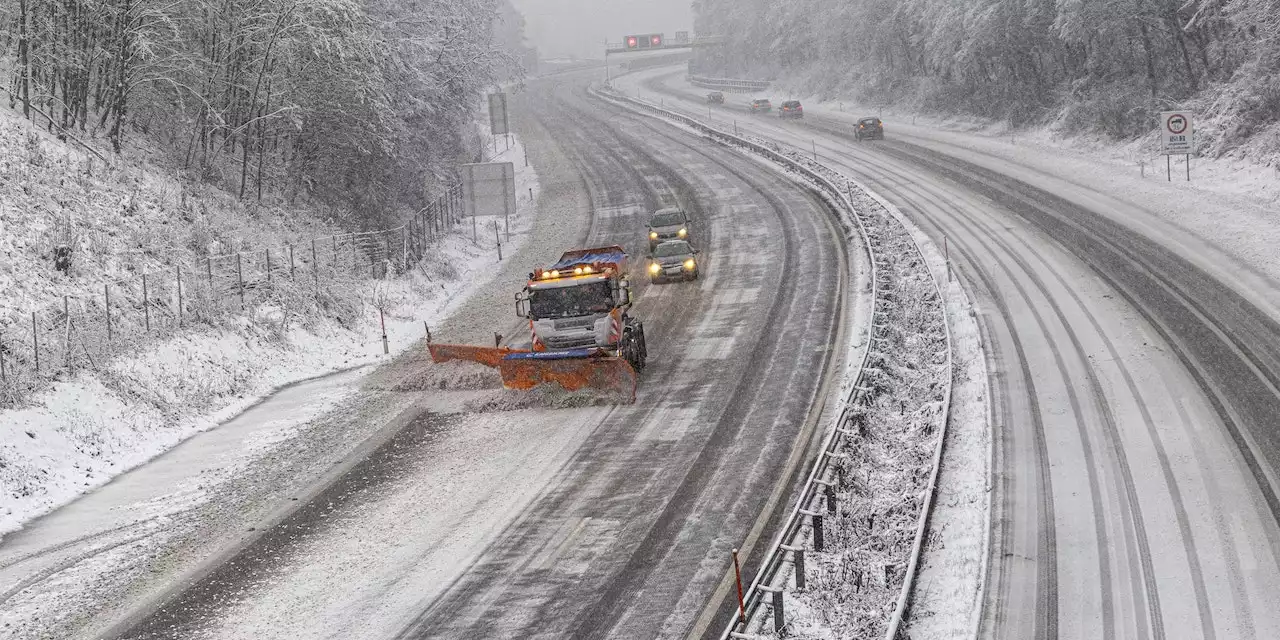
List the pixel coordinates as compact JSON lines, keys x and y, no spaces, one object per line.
{"x":1176,"y":139}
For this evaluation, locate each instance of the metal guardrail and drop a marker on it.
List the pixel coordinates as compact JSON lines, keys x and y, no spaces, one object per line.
{"x":729,"y":84}
{"x":810,"y":494}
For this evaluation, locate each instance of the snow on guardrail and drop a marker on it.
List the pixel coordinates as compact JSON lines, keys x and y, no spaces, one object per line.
{"x":729,"y":84}
{"x":861,"y":519}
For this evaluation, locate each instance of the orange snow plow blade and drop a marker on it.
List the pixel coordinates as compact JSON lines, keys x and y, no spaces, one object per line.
{"x":606,"y":374}
{"x":525,"y":370}
{"x":488,"y":356}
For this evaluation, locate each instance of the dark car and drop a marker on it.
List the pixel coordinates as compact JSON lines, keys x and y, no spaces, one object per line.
{"x":869,"y":129}
{"x":761,"y":105}
{"x":791,"y":109}
{"x":674,"y":260}
{"x":668,"y":224}
{"x":715,"y":97}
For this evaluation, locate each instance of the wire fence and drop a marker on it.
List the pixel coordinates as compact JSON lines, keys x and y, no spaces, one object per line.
{"x":85,"y":331}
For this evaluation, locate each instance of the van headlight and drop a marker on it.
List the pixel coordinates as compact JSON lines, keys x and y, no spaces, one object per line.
{"x":655,"y":268}
{"x":690,"y":264}
{"x":653,"y":235}
{"x":683,"y":232}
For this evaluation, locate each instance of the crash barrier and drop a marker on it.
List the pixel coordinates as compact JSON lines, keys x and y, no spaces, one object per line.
{"x":127,"y":315}
{"x":729,"y":84}
{"x":888,"y":243}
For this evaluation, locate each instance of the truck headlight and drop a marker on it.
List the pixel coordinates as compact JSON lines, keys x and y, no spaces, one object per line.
{"x":690,"y":264}
{"x":655,"y":268}
{"x":653,"y":235}
{"x":682,"y":233}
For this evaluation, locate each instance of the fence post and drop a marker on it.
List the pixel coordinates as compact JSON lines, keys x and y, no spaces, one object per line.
{"x":179,"y":280}
{"x":354,"y":267}
{"x":335,"y":255}
{"x":209,"y":264}
{"x":4,"y":375}
{"x":498,"y":239}
{"x":35,"y":341}
{"x":106,"y":293}
{"x":66,"y":338}
{"x":382,"y":319}
{"x":268,"y":252}
{"x":404,"y":249}
{"x":293,"y":268}
{"x":315,"y":264}
{"x":146,"y":303}
{"x":240,"y":280}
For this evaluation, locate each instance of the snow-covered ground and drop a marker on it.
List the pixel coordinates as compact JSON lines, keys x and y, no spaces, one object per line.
{"x":86,"y":430}
{"x":1227,"y":218}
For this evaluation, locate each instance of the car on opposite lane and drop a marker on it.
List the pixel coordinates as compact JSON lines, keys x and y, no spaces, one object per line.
{"x":674,"y":260}
{"x":715,"y":97}
{"x":671,"y":223}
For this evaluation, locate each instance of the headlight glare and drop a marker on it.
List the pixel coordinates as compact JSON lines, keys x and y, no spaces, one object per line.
{"x":690,"y":264}
{"x":653,"y":235}
{"x":683,"y":233}
{"x":655,"y":268}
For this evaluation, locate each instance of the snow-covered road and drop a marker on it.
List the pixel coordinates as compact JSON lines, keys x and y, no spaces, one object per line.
{"x":475,"y":512}
{"x":1135,"y":396}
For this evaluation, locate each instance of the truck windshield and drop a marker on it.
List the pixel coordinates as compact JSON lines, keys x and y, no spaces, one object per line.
{"x":567,"y":302}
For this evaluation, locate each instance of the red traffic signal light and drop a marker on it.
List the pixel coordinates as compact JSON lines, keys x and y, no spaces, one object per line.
{"x":633,"y":42}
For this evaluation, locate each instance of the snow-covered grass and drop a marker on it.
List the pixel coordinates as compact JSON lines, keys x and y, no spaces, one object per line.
{"x":93,"y":425}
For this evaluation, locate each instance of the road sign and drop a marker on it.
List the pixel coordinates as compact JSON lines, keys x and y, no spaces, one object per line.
{"x":489,"y":189}
{"x":1176,"y":133}
{"x":498,"y":124}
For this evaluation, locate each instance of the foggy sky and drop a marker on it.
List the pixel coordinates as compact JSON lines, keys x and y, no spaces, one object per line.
{"x":580,"y":27}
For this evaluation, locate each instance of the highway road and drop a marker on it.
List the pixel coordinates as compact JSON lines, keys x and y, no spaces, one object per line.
{"x":1135,"y":394}
{"x":480,"y":514}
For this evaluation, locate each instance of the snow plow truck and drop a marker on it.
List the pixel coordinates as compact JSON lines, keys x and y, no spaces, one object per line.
{"x":582,"y":335}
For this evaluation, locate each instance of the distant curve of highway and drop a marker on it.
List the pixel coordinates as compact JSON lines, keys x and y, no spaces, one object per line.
{"x":1137,"y":409}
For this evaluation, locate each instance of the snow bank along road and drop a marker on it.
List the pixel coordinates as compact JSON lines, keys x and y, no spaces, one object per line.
{"x":1136,"y":400}
{"x":482,"y":517}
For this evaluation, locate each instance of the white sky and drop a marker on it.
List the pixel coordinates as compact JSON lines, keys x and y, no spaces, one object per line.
{"x":580,"y":27}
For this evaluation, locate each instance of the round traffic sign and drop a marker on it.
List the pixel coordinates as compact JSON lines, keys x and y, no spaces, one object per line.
{"x":1176,"y":124}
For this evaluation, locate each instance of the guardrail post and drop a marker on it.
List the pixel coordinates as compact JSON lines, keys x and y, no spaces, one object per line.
{"x":797,"y":555}
{"x":777,"y":610}
{"x":831,"y":499}
{"x":817,"y":532}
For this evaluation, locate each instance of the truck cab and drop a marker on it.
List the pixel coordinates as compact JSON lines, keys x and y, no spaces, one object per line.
{"x":582,"y":303}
